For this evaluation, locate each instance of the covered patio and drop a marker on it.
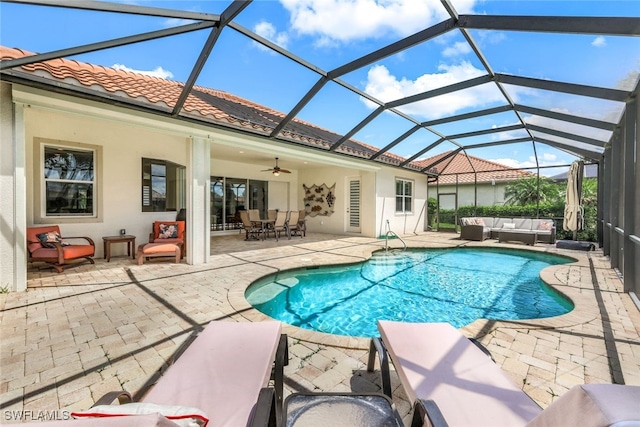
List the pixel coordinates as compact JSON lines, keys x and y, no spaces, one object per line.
{"x":75,"y":336}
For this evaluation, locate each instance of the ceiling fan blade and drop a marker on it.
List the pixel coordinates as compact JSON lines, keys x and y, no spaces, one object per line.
{"x":266,"y":170}
{"x":284,"y":171}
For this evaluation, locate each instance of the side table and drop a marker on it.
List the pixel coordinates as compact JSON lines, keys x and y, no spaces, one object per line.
{"x":129,"y":240}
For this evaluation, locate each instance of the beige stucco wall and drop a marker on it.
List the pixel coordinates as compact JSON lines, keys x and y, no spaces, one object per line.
{"x":400,"y":223}
{"x":122,"y":147}
{"x":337,"y":222}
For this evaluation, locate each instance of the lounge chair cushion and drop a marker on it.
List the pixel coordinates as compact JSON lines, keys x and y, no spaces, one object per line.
{"x":222,"y":371}
{"x":183,"y":416}
{"x":593,"y":405}
{"x":436,"y":362}
{"x":151,"y":420}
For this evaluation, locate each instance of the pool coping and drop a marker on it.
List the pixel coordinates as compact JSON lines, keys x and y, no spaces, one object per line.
{"x":558,"y":277}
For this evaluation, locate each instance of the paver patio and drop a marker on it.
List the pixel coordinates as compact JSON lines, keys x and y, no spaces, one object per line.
{"x":96,"y":328}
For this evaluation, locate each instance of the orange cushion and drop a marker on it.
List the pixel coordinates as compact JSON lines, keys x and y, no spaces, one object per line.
{"x":32,"y":235}
{"x":159,"y":248}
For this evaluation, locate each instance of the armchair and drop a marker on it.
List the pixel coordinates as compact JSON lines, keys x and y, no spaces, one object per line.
{"x":169,"y":232}
{"x":45,"y":244}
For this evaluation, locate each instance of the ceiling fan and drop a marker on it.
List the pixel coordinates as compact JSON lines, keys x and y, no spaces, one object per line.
{"x":276,"y":170}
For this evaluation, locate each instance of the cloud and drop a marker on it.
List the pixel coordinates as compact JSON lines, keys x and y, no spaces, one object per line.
{"x":459,"y":48}
{"x":382,"y":85}
{"x":599,"y":41}
{"x":268,"y":31}
{"x":342,"y":21}
{"x":544,"y":159}
{"x":157,"y":72}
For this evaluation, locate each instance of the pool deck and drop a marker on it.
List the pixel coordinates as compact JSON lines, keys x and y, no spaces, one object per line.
{"x":110,"y":326}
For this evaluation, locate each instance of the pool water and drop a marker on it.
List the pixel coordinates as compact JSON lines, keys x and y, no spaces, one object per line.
{"x":458,"y":286}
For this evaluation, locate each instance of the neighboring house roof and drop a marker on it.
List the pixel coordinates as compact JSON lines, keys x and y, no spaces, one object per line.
{"x":464,"y":167}
{"x":203,"y":104}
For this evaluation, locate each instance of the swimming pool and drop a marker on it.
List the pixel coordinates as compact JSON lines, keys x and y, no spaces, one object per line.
{"x":457,"y":285}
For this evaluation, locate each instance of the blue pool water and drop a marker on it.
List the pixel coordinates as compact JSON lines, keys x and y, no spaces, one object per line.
{"x":457,"y":285}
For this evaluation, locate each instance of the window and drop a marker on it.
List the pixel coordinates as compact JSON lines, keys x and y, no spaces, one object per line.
{"x":69,"y":181}
{"x":404,"y":195}
{"x":163,"y":186}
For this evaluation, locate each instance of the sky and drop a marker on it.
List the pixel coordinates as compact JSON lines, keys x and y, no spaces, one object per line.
{"x":331,"y":33}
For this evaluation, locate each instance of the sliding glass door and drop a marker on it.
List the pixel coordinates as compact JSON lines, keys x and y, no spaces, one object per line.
{"x":231,"y":195}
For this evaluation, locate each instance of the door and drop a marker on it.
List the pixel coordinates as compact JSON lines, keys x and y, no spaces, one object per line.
{"x":353,"y":204}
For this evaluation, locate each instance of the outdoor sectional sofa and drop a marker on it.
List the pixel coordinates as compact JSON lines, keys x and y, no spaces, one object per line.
{"x":481,"y":228}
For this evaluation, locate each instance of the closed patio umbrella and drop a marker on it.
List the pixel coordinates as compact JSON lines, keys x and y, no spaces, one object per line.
{"x":573,"y":212}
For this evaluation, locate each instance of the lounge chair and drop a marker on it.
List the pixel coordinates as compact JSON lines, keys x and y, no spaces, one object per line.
{"x":435,"y":362}
{"x":454,"y":383}
{"x":224,"y":372}
{"x":45,"y":244}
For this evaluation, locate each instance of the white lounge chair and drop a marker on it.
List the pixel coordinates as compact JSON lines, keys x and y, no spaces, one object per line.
{"x":454,"y":383}
{"x":225,"y":373}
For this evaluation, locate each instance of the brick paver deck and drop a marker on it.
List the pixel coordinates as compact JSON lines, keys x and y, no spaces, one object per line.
{"x":95,"y":328}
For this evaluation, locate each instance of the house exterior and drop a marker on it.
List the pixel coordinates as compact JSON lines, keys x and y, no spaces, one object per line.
{"x":458,"y":180}
{"x":123,"y":169}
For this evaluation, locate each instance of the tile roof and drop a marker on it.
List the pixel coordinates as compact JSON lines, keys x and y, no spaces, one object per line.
{"x":223,"y":108}
{"x":204,"y":104}
{"x":461,"y":165}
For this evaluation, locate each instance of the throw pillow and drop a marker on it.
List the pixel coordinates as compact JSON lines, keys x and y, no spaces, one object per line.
{"x":509,"y":226}
{"x":48,"y":239}
{"x":545,"y":225}
{"x":168,"y":231}
{"x":480,"y":221}
{"x":183,"y":416}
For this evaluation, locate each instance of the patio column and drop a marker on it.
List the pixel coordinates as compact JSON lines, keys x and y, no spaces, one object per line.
{"x":13,"y":211}
{"x":198,"y":204}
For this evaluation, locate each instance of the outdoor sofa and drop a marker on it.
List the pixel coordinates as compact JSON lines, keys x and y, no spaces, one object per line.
{"x":482,"y":228}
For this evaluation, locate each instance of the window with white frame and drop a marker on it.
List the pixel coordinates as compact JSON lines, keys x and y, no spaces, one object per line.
{"x":163,"y":186}
{"x":69,"y":181}
{"x":404,"y":195}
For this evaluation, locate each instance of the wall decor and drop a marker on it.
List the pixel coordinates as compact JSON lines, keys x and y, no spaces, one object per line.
{"x":319,"y":199}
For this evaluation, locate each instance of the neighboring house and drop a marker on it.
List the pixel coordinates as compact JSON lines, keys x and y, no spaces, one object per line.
{"x":134,"y":167}
{"x":458,"y":180}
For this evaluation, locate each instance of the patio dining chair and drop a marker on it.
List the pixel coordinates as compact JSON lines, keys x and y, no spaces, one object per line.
{"x":252,"y":229}
{"x":280,"y":224}
{"x":293,"y":226}
{"x":222,"y":377}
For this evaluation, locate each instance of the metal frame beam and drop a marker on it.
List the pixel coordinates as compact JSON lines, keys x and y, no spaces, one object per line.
{"x":567,"y":135}
{"x":614,"y":26}
{"x":585,"y":121}
{"x":571,"y":88}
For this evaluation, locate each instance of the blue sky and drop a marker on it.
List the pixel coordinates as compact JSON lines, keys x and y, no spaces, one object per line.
{"x":330,"y":33}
